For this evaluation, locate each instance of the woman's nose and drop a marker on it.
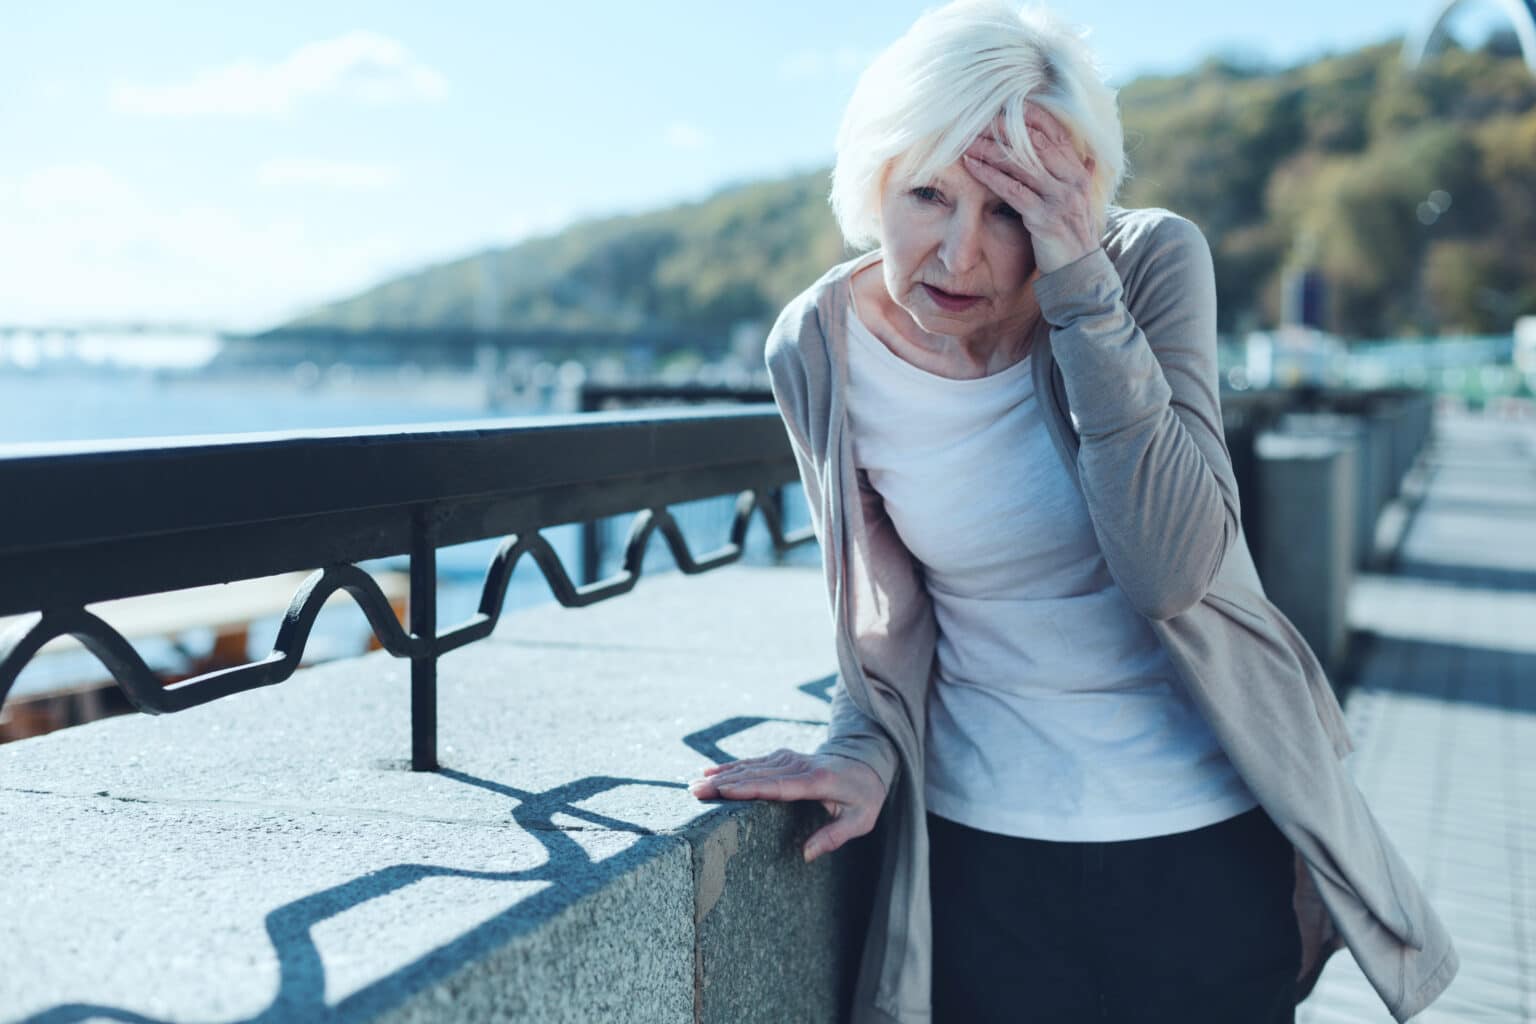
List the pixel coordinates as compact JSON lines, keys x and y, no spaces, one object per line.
{"x":961,"y":247}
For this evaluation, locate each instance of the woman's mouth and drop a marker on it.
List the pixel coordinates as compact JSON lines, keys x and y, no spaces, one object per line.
{"x":949,"y":300}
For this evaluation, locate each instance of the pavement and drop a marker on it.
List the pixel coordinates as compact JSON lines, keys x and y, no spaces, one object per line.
{"x":1443,"y":712}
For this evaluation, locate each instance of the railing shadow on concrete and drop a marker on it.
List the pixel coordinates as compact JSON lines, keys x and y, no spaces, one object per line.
{"x":569,"y":870}
{"x":1486,"y":577}
{"x":1421,"y":667}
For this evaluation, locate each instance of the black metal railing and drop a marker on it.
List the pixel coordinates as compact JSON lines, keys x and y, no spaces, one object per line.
{"x":596,"y":396}
{"x":93,"y":521}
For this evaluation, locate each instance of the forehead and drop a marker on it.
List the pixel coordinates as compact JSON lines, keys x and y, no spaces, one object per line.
{"x":952,"y":178}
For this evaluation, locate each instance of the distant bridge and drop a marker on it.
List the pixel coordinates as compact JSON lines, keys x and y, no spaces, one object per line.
{"x":73,"y":331}
{"x":1521,"y":15}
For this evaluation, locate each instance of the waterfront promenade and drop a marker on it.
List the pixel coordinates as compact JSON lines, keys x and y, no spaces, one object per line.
{"x":269,"y":857}
{"x":1444,"y":717}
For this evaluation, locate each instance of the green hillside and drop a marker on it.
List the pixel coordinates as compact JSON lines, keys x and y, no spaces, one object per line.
{"x":701,"y":267}
{"x":1326,"y":163}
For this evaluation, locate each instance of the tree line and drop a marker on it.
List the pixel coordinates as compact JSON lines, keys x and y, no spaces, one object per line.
{"x":1413,"y":194}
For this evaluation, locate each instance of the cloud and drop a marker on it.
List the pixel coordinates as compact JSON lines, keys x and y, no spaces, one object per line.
{"x":683,"y":135}
{"x":814,"y":65}
{"x":360,"y":65}
{"x":78,"y":187}
{"x":342,"y":174}
{"x":84,"y":244}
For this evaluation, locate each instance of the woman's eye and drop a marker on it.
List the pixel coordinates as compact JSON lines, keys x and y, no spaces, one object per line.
{"x":927,"y":193}
{"x":1008,"y":213}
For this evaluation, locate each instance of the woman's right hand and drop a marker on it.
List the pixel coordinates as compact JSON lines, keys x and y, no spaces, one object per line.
{"x":850,"y":790}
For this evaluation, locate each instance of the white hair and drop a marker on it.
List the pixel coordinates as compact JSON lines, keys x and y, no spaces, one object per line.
{"x":923,"y":100}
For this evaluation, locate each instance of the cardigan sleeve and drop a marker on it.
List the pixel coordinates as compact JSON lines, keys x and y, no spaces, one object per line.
{"x":851,"y":733}
{"x":1141,"y":380}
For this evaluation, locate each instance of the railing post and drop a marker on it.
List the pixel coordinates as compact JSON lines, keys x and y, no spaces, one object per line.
{"x":780,"y":506}
{"x":591,"y":550}
{"x":591,"y":529}
{"x":423,"y":626}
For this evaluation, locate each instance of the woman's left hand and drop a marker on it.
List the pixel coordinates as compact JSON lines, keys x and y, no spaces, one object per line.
{"x":1055,"y":206}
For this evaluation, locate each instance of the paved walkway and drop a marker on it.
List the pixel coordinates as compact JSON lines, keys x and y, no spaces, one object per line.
{"x":1444,"y":716}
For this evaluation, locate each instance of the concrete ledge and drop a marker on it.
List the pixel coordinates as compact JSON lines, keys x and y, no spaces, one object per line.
{"x":1370,"y":446}
{"x":1306,"y":556}
{"x":268,"y":856}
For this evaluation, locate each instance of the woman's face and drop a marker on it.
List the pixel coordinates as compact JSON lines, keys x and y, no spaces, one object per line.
{"x":957,"y":258}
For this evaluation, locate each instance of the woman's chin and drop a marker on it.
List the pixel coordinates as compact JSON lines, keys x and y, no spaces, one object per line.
{"x":943,"y":321}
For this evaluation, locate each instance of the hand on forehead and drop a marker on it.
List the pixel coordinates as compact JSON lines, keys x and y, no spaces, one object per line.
{"x":1045,"y":128}
{"x":1052,"y":143}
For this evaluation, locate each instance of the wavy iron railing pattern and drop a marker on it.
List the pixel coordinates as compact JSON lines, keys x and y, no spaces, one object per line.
{"x":149,"y":694}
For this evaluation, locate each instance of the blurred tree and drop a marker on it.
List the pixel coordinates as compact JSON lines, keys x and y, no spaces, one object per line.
{"x":1414,"y":194}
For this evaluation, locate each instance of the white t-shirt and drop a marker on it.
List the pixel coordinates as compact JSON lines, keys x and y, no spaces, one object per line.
{"x":1054,"y":712}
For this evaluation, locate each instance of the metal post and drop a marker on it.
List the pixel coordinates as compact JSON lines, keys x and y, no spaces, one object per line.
{"x":591,"y":529}
{"x":780,"y":506}
{"x":423,"y":625}
{"x":591,"y":550}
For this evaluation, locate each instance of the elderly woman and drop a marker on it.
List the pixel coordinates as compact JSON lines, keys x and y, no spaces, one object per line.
{"x":1107,"y":770}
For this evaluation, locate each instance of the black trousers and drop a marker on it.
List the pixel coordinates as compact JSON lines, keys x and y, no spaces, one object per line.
{"x":1190,"y":927}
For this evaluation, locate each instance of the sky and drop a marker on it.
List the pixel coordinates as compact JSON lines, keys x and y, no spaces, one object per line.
{"x":233,"y":165}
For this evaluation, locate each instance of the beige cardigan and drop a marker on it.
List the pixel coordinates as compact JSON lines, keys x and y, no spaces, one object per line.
{"x":1128,"y":382}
